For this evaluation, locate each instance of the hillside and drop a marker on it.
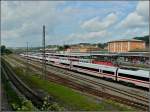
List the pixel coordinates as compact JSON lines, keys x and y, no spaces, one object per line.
{"x":144,"y":38}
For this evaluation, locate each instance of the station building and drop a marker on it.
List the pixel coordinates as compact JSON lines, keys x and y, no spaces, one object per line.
{"x":125,"y":45}
{"x":83,"y":48}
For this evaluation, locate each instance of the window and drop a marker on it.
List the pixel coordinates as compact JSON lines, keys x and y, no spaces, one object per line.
{"x":126,"y":68}
{"x":104,"y":71}
{"x":64,"y":63}
{"x":133,"y":77}
{"x":93,"y":69}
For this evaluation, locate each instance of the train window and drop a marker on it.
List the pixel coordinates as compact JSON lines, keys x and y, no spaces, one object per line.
{"x":104,"y":71}
{"x":126,"y":68}
{"x":64,"y":63}
{"x":133,"y":77}
{"x":93,"y":69}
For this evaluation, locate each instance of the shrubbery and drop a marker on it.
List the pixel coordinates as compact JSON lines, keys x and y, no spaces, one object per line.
{"x":50,"y":106}
{"x":26,"y":105}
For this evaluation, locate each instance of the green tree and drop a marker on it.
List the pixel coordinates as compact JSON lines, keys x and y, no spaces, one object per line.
{"x":144,"y":38}
{"x":60,"y":48}
{"x":66,"y":46}
{"x":102,"y":45}
{"x":4,"y":50}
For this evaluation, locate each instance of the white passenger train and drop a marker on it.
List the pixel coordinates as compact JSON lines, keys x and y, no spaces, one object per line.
{"x":137,"y":77}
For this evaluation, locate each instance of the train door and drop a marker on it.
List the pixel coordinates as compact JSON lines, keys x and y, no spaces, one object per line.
{"x":116,"y":74}
{"x":71,"y":64}
{"x":100,"y":71}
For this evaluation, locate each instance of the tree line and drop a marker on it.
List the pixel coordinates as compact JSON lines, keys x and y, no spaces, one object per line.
{"x":5,"y":50}
{"x":144,"y":38}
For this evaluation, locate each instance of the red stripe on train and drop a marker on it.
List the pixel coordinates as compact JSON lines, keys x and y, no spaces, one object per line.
{"x":134,"y":80}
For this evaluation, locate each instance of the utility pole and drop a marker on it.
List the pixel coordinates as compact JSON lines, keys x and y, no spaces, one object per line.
{"x":90,"y":54}
{"x":43,"y":55}
{"x":27,"y":63}
{"x":149,"y":75}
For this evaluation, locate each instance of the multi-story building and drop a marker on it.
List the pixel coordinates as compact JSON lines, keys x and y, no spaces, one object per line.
{"x":125,"y":45}
{"x":83,"y":48}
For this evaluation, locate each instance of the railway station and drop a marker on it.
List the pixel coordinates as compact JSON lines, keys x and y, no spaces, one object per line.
{"x":75,"y":56}
{"x":129,"y":58}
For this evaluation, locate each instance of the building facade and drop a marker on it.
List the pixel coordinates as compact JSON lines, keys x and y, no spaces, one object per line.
{"x":85,"y":48}
{"x":125,"y":45}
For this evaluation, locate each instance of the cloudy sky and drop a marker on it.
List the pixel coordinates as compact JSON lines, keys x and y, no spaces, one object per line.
{"x":70,"y":22}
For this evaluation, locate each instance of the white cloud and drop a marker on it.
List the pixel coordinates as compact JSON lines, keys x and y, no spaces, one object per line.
{"x":138,"y":18}
{"x":9,"y":34}
{"x":135,"y":32}
{"x":27,"y":9}
{"x":22,"y":21}
{"x":88,"y":37}
{"x":27,"y":17}
{"x":95,"y":24}
{"x":143,"y":9}
{"x":133,"y":20}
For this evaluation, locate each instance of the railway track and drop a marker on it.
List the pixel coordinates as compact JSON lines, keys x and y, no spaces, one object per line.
{"x":136,"y":96}
{"x":21,"y":86}
{"x":139,"y":97}
{"x":89,"y":89}
{"x":141,"y":102}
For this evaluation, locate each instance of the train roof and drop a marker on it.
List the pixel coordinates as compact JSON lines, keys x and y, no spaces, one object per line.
{"x":139,"y":54}
{"x":73,"y":54}
{"x":96,"y":66}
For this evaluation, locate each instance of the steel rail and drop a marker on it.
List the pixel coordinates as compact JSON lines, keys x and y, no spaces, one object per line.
{"x":116,"y":98}
{"x":22,"y":87}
